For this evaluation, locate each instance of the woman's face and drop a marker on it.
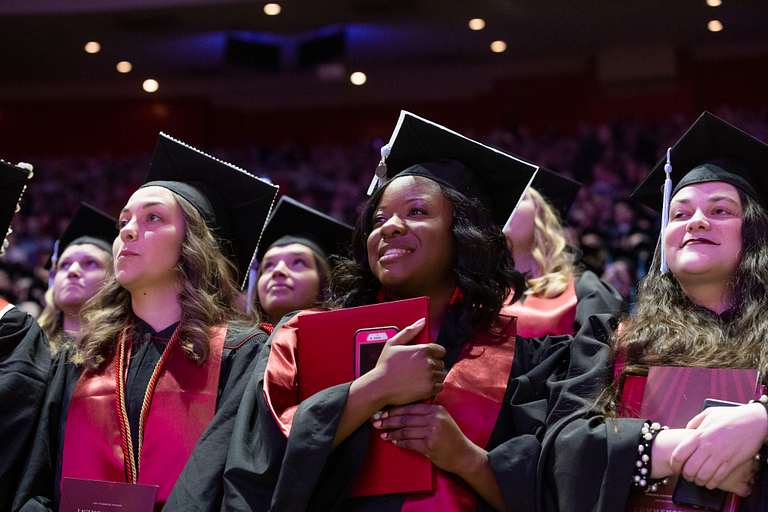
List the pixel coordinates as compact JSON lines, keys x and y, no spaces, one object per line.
{"x":152,"y":229}
{"x":521,"y":227}
{"x":410,"y":249}
{"x":79,"y":276}
{"x":703,"y":237}
{"x":289,"y":280}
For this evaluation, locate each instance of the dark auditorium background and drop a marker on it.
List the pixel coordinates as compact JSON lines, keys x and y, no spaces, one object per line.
{"x":594,"y":89}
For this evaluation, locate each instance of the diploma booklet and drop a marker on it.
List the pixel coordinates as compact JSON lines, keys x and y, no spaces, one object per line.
{"x":78,"y":495}
{"x":329,"y":345}
{"x":672,"y":396}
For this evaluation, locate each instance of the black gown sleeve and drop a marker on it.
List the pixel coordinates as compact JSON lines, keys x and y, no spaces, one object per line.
{"x":25,"y":361}
{"x":200,"y":485}
{"x":596,"y":297}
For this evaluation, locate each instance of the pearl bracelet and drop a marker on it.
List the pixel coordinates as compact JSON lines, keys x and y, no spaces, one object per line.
{"x":641,"y":475}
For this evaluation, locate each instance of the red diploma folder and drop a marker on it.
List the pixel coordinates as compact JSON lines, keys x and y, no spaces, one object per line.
{"x":672,"y":396}
{"x":78,"y":495}
{"x":326,"y":357}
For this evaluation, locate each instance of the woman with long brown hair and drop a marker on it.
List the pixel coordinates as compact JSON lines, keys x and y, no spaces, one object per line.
{"x":166,"y":341}
{"x":703,"y":304}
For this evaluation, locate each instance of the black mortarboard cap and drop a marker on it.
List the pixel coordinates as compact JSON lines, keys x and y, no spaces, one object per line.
{"x":422,"y":148}
{"x":711,"y":150}
{"x":292,"y":222}
{"x":87,"y":226}
{"x":559,"y":190}
{"x":234,"y":203}
{"x":13,"y":181}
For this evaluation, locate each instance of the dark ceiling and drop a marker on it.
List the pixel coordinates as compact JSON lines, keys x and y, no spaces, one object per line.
{"x":407,"y":48}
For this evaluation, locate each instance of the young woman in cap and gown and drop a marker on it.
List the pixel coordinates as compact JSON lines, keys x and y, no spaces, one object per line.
{"x":426,"y":231}
{"x":79,"y":264}
{"x":558,"y":299}
{"x":294,"y":272}
{"x":702,"y":305}
{"x":25,"y":358}
{"x":166,"y":345}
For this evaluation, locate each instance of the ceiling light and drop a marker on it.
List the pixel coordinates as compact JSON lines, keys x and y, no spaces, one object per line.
{"x":498,"y":46}
{"x":92,"y":47}
{"x":272,"y":9}
{"x":715,"y":26}
{"x":150,"y":85}
{"x":714,"y":3}
{"x":358,"y":78}
{"x":477,"y":24}
{"x":124,"y":66}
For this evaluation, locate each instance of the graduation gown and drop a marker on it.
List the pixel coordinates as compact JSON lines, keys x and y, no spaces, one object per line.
{"x":25,"y":360}
{"x":588,"y":459}
{"x":40,"y":488}
{"x":586,"y":295}
{"x":267,"y":470}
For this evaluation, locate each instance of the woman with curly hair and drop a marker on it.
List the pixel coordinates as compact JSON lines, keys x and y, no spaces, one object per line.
{"x":703,"y":304}
{"x":166,"y":342}
{"x":474,"y":401}
{"x":79,"y":263}
{"x":558,"y":298}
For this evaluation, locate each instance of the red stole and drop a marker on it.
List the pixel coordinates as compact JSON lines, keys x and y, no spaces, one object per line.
{"x":5,"y":306}
{"x":472,"y":394}
{"x":538,"y":316}
{"x":183,"y":404}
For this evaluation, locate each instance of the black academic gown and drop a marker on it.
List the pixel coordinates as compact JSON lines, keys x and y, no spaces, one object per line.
{"x":25,"y":360}
{"x":40,"y":486}
{"x":265,"y":470}
{"x":588,"y":459}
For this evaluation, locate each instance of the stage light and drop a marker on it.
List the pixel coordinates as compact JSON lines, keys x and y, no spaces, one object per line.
{"x":92,"y":47}
{"x":714,"y":3}
{"x":272,"y":9}
{"x":715,"y":26}
{"x":124,"y":66}
{"x":498,"y":46}
{"x":358,"y":78}
{"x":477,"y":24}
{"x":150,"y":85}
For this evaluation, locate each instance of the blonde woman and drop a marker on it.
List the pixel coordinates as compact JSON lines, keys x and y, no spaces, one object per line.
{"x":558,"y":299}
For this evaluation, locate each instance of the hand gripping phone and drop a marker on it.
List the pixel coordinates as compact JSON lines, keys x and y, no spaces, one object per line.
{"x":368,"y":346}
{"x":691,"y":495}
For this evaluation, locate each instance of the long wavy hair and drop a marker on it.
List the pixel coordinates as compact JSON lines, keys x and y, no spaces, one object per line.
{"x":51,"y":321}
{"x":323,"y":297}
{"x":484,"y":269}
{"x":208,"y":296}
{"x":670,"y":330}
{"x":555,"y":263}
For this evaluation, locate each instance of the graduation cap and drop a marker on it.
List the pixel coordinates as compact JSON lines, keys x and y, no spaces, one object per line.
{"x":13,"y":182}
{"x":559,"y":190}
{"x":87,"y":226}
{"x":294,"y":223}
{"x":422,"y":148}
{"x":234,"y":204}
{"x":711,"y":150}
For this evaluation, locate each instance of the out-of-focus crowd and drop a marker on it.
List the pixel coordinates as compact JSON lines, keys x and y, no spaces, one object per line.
{"x":613,"y":236}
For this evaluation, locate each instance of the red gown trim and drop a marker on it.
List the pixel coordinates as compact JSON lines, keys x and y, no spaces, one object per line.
{"x":538,"y":316}
{"x":183,"y":404}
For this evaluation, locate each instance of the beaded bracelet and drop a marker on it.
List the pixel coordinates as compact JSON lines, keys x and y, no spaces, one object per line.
{"x":641,"y":473}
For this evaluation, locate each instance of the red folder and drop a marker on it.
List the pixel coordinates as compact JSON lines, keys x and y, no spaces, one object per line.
{"x":326,"y":357}
{"x":78,"y":495}
{"x":672,"y":396}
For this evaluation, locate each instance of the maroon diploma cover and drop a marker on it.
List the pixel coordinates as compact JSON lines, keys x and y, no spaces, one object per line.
{"x":326,"y":357}
{"x":78,"y":495}
{"x":672,"y":396}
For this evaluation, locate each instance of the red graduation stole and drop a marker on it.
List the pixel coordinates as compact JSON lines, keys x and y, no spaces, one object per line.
{"x":538,"y":316}
{"x":182,"y":405}
{"x":472,"y":394}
